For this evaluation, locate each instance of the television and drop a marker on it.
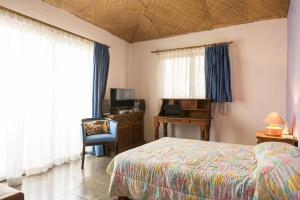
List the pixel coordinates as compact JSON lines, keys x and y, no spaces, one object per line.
{"x":121,"y":97}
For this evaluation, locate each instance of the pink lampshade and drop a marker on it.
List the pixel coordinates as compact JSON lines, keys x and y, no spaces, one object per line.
{"x":274,"y":118}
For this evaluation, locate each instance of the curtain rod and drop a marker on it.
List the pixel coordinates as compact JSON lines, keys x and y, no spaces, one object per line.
{"x":192,"y":47}
{"x":28,"y":17}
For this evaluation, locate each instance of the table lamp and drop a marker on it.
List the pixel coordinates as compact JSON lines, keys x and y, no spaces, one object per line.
{"x":274,"y":120}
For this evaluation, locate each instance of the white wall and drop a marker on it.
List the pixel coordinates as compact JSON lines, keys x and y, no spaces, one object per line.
{"x":44,"y":12}
{"x":258,"y":58}
{"x":293,"y":97}
{"x":258,"y":65}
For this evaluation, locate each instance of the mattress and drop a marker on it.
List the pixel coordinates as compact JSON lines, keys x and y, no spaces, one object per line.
{"x":173,"y":168}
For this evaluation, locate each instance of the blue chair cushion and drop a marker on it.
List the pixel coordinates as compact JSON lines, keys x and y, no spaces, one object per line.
{"x":100,"y":138}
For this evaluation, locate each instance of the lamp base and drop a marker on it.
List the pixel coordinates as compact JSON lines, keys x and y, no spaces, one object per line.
{"x":274,"y":131}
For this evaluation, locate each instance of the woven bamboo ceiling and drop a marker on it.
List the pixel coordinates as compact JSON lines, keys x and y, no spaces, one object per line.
{"x":138,"y":20}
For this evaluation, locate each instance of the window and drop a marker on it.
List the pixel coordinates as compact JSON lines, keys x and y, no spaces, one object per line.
{"x":46,"y":89}
{"x":183,"y":73}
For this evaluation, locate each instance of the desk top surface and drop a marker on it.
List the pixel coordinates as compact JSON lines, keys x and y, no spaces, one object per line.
{"x":180,"y":118}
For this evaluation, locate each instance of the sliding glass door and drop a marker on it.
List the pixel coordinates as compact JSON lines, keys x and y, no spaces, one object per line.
{"x":46,"y":88}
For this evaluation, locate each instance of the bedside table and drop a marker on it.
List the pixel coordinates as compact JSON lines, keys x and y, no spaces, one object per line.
{"x":263,"y":137}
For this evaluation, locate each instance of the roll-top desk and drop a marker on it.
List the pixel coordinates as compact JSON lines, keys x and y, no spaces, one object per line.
{"x":194,"y":112}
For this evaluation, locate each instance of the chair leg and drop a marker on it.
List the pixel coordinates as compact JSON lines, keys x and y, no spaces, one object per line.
{"x":116,"y":148}
{"x":83,"y":155}
{"x":106,"y":150}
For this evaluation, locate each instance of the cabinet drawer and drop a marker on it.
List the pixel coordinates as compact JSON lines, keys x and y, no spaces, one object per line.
{"x":128,"y":119}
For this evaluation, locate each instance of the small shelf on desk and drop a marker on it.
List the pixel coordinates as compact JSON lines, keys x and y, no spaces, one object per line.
{"x":189,"y":104}
{"x":196,"y":109}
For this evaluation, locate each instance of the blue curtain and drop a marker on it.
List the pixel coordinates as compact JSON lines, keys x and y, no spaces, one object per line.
{"x":101,"y":67}
{"x":217,"y":73}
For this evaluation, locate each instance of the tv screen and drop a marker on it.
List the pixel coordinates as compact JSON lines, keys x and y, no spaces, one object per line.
{"x":121,"y":97}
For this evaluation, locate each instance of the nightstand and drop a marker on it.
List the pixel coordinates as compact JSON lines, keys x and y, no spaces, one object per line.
{"x":263,"y":137}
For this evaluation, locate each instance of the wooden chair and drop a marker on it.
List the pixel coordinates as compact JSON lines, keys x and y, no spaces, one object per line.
{"x":99,"y":139}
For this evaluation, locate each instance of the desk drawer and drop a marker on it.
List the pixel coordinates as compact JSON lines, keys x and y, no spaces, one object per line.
{"x":179,"y":121}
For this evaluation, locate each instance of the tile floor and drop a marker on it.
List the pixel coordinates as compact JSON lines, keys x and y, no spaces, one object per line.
{"x":69,"y":182}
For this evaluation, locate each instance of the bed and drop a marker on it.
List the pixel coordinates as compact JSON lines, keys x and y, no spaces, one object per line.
{"x":173,"y":168}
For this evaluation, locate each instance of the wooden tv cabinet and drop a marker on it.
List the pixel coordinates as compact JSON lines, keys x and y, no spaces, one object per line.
{"x":130,"y":130}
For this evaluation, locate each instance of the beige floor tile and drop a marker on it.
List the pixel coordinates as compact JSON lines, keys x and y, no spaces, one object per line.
{"x":68,"y":181}
{"x":70,"y":197}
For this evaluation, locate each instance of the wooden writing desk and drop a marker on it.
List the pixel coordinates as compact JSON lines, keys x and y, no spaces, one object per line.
{"x":204,"y":125}
{"x":194,"y":112}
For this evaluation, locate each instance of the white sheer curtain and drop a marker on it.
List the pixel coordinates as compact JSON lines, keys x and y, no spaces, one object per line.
{"x":183,"y":73}
{"x":46,"y":88}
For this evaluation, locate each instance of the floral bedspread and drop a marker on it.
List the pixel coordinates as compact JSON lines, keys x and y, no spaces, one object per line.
{"x":172,"y":168}
{"x":278,"y":171}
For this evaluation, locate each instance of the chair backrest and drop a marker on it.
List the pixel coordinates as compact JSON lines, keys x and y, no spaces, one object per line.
{"x":91,"y":119}
{"x":114,"y":131}
{"x":83,"y":131}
